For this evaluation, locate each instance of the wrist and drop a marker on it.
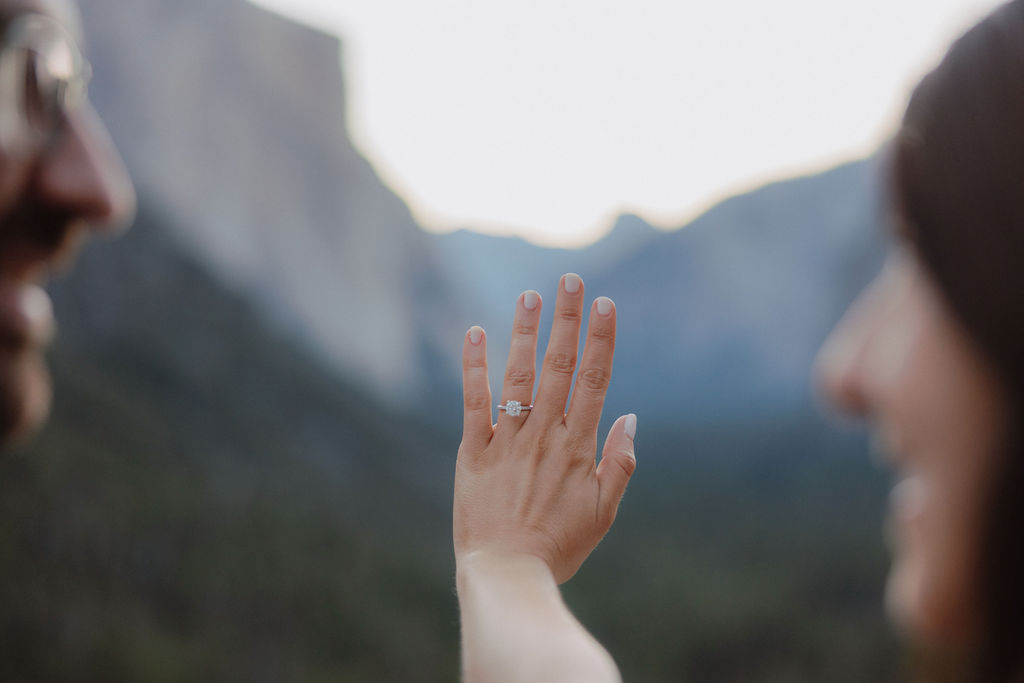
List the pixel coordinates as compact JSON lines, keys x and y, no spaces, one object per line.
{"x":502,"y":566}
{"x":516,"y":626}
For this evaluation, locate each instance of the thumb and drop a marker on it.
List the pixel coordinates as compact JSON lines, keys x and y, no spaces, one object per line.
{"x":616,"y":467}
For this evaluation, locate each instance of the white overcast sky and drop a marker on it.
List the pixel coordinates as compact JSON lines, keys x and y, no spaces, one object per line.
{"x":547,"y":118}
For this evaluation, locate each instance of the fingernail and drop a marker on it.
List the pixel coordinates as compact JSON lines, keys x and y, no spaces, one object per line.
{"x":604,"y":306}
{"x":630,"y":426}
{"x":530,"y":300}
{"x":573,"y":283}
{"x":475,"y":335}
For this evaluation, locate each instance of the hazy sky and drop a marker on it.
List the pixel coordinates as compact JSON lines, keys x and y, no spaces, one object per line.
{"x":547,"y":118}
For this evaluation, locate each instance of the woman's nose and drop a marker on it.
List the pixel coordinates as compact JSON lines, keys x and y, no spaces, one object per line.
{"x":836,"y":373}
{"x":83,"y":174}
{"x":841,"y":372}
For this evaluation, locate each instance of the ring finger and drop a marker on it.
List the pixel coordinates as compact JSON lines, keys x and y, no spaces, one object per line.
{"x":521,"y":369}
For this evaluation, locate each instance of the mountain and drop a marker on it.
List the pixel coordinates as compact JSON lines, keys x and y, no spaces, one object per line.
{"x":718,"y":321}
{"x":729,"y":312}
{"x":487,"y":269}
{"x":245,"y":140}
{"x":235,"y":118}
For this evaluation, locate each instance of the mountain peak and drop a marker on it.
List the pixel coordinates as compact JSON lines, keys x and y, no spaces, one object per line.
{"x":628,"y":229}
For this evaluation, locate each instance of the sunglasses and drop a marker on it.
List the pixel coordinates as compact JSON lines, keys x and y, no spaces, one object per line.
{"x":43,"y":77}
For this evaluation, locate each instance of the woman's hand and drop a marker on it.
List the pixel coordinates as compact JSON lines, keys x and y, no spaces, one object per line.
{"x":529,"y":486}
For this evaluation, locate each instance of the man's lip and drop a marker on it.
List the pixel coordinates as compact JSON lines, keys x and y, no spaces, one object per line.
{"x":26,"y":316}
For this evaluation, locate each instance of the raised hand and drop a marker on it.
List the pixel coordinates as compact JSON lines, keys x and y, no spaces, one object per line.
{"x":530,"y":485}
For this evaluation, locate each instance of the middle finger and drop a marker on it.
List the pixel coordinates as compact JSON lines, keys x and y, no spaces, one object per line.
{"x":563,"y":346}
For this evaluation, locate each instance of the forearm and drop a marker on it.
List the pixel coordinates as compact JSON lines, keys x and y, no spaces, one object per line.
{"x":515,"y":626}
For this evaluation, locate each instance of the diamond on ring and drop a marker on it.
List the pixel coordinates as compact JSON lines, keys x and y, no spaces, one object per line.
{"x":514,"y":408}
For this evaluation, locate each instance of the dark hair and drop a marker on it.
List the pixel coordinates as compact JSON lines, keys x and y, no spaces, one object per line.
{"x":958,"y":191}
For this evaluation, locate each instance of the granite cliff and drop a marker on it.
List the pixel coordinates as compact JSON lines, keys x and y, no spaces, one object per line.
{"x":233,"y":119}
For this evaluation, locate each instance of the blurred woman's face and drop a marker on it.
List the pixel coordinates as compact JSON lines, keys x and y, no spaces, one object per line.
{"x":900,"y":359}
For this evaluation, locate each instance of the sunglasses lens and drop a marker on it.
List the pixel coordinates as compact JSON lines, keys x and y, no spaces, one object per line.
{"x":43,"y":93}
{"x":42,"y":76}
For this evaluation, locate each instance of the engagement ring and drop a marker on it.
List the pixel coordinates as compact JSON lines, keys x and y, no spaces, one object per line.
{"x":514,"y":408}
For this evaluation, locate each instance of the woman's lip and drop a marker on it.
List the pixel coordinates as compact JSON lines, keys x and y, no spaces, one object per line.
{"x":907,"y":498}
{"x":907,"y":503}
{"x":903,"y":510}
{"x":26,"y":316}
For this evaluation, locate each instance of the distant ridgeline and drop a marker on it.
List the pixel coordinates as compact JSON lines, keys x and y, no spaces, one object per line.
{"x":719,"y":322}
{"x":234,"y":486}
{"x":234,"y":119}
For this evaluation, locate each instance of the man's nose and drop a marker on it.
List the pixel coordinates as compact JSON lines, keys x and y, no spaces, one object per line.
{"x":84,"y":174}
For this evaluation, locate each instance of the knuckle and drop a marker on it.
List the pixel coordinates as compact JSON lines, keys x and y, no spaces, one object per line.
{"x":521,"y":329}
{"x":560,"y":363}
{"x":568,"y":314}
{"x":540,"y":446}
{"x":474,"y":363}
{"x":594,"y":379}
{"x":580,"y":446}
{"x":627,"y":463}
{"x":520,"y":377}
{"x":602,"y":333}
{"x":475,"y":402}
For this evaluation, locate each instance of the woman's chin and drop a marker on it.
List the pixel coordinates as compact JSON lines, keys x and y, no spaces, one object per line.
{"x":902,"y":602}
{"x":925,"y":612}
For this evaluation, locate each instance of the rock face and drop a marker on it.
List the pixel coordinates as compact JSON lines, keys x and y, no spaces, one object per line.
{"x":233,"y":119}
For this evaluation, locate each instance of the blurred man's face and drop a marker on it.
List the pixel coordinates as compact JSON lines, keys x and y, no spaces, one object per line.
{"x":60,"y":178}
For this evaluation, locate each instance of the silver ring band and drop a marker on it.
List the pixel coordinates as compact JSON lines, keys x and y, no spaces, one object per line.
{"x":514,"y":408}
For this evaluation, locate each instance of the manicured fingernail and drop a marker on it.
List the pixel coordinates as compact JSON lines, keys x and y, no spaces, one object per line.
{"x":630,"y":426}
{"x":573,"y":283}
{"x":604,"y":306}
{"x":475,"y":335}
{"x":530,"y":300}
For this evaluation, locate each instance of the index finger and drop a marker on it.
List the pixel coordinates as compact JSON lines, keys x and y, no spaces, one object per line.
{"x":477,"y":428}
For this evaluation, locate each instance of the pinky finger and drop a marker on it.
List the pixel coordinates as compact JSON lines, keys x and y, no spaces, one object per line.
{"x":477,"y":427}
